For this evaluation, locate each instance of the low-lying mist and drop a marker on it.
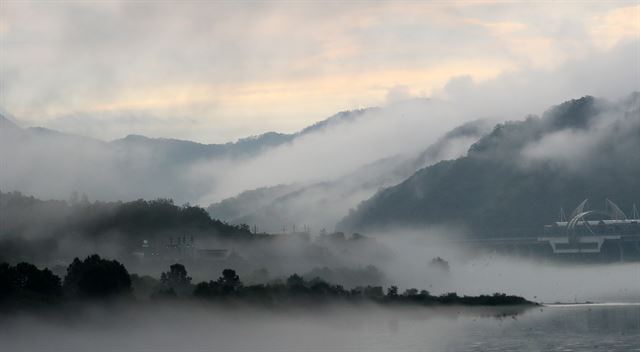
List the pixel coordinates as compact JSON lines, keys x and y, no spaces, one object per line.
{"x":318,"y":205}
{"x":474,"y":270}
{"x":51,"y":233}
{"x":195,"y":327}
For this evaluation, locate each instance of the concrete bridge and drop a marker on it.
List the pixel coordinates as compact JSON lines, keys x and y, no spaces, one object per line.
{"x":602,"y":235}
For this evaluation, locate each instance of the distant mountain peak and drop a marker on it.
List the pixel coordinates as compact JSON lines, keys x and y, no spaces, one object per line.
{"x":575,"y":113}
{"x":342,"y":116}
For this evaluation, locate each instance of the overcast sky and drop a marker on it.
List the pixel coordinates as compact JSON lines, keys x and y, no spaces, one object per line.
{"x":216,"y":71}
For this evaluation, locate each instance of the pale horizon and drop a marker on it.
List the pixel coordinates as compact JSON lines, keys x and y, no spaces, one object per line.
{"x":217,"y":72}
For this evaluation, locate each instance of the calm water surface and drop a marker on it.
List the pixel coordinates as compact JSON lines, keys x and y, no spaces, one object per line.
{"x":549,"y":328}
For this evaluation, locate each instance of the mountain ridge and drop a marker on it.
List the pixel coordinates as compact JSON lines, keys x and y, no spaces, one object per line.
{"x":321,"y":204}
{"x":514,"y":179}
{"x":127,"y":168}
{"x":246,"y":145}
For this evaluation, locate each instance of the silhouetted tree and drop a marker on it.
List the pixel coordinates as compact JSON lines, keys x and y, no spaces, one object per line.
{"x":318,"y":287}
{"x":449,"y":298}
{"x":6,"y":278}
{"x":144,"y":286}
{"x":410,"y":292}
{"x":176,"y":280}
{"x":27,"y":281}
{"x":207,"y":289}
{"x":295,"y":280}
{"x":229,"y":281}
{"x":95,"y":277}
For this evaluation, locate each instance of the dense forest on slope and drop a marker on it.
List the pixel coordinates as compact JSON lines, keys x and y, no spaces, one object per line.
{"x":516,"y":179}
{"x":31,"y":228}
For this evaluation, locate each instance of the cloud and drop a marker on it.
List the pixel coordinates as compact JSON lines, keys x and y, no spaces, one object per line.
{"x":554,"y":147}
{"x":616,"y":25}
{"x":400,"y":127}
{"x":398,"y":93}
{"x":194,"y":71}
{"x":251,"y":67}
{"x":404,"y":127}
{"x":610,"y":74}
{"x":612,"y":133}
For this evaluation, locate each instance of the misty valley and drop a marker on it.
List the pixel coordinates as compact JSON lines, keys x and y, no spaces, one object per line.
{"x":402,"y":256}
{"x":303,"y":176}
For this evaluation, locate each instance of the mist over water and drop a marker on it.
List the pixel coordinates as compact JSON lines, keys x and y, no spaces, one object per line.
{"x":474,"y":271}
{"x":319,"y":176}
{"x":332,"y":328}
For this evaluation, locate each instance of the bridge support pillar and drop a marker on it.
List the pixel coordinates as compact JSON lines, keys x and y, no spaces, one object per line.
{"x":621,"y":248}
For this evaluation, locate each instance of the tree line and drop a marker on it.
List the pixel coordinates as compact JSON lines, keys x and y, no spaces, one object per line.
{"x":32,"y":229}
{"x":95,"y":278}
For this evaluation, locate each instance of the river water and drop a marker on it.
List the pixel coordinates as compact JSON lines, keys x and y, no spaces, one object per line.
{"x":596,"y":327}
{"x":601,"y":327}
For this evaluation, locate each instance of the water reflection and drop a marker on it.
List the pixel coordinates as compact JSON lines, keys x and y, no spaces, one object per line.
{"x":545,"y":328}
{"x":614,"y":327}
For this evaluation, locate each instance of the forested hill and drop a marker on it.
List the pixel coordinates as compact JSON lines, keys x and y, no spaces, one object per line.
{"x":514,"y":180}
{"x":31,"y":228}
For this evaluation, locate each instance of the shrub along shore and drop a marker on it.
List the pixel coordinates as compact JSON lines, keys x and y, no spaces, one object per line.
{"x":96,"y":279}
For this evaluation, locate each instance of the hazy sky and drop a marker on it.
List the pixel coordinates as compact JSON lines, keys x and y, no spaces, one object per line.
{"x":214,"y":71}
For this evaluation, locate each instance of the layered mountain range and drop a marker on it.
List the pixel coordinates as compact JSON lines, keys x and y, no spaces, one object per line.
{"x":53,"y":164}
{"x":516,"y":178}
{"x":321,"y":204}
{"x":364,"y":170}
